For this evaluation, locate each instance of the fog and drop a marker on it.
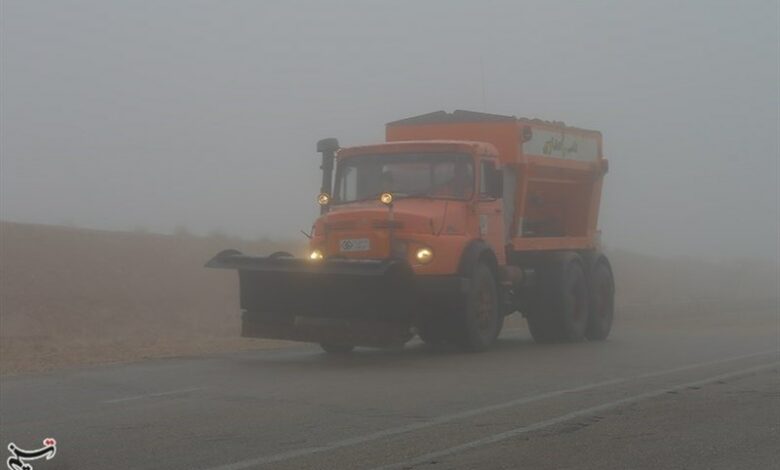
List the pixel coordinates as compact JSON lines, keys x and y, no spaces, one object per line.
{"x":141,"y":139}
{"x":204,"y":115}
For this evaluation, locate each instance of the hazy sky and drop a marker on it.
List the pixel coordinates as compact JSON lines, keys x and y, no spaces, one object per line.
{"x":205,"y":113}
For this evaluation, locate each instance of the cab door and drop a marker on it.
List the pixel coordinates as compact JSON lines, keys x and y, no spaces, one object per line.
{"x":490,"y":207}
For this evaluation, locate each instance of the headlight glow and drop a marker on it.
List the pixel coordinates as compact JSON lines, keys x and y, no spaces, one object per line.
{"x":323,"y":199}
{"x":424,"y":255}
{"x":315,"y":255}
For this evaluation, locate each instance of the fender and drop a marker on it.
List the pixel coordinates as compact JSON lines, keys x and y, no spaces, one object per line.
{"x":474,"y":251}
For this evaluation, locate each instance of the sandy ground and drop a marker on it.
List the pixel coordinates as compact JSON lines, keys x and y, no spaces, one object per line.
{"x":72,"y":296}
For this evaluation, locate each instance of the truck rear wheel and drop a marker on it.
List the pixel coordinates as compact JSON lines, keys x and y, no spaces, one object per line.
{"x":602,"y":301}
{"x":560,"y":311}
{"x":480,"y":318}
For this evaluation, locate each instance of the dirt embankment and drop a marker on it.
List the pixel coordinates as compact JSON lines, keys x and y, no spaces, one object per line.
{"x":70,"y":296}
{"x":73,"y":296}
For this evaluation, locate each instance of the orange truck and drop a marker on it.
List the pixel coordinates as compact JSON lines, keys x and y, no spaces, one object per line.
{"x":456,"y":221}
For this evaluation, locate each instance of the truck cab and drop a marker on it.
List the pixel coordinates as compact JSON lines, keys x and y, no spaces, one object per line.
{"x":420,"y":202}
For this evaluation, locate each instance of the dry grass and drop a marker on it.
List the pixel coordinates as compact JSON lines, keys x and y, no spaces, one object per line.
{"x":73,"y":296}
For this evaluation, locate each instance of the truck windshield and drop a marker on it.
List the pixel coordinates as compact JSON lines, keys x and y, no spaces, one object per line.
{"x":429,"y":175}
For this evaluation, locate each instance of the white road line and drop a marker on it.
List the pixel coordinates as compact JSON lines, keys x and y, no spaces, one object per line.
{"x":249,"y":463}
{"x":567,"y":417}
{"x":153,"y":395}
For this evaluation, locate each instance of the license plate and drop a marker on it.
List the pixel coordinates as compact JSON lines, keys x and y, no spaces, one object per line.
{"x":355,"y":244}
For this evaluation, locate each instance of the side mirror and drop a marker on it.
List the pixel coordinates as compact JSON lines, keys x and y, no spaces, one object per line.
{"x":328,"y":148}
{"x":495,"y":183}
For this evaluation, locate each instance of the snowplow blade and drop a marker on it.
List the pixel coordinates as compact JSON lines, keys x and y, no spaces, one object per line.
{"x":359,"y":302}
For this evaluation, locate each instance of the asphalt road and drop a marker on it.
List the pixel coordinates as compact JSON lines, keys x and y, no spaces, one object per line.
{"x":665,"y":391}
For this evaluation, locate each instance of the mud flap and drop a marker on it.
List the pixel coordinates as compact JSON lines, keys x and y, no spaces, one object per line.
{"x":362,"y":302}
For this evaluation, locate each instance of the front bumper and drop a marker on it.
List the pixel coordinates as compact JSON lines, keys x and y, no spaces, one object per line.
{"x":361,"y":302}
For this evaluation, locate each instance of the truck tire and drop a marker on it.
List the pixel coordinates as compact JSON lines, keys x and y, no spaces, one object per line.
{"x":480,"y":319}
{"x":602,"y":301}
{"x":334,"y":348}
{"x":560,"y":310}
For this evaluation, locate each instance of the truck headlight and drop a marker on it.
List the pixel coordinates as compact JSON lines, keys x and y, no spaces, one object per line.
{"x":424,"y":255}
{"x":315,"y":255}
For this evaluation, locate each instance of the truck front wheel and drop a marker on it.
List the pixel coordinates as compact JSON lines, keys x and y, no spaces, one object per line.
{"x":480,"y":317}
